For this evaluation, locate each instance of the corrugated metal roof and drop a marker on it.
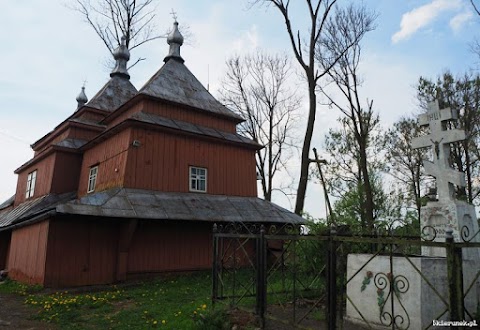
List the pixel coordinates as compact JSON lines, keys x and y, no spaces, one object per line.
{"x":116,"y":92}
{"x":148,"y":204}
{"x":32,"y":207}
{"x":174,"y":82}
{"x":191,"y":128}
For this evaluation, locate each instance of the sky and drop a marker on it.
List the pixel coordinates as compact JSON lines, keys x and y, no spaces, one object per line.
{"x":48,"y":52}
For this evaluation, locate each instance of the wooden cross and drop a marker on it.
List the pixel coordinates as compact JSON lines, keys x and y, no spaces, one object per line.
{"x":440,"y":139}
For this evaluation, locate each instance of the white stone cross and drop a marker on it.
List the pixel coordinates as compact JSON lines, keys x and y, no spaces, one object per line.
{"x":440,"y":139}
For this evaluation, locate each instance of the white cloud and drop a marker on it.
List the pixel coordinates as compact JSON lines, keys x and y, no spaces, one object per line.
{"x":248,"y":40}
{"x":458,"y":21}
{"x":422,"y":16}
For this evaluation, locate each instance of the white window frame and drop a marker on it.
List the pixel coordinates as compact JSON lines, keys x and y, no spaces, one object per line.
{"x":195,"y":179}
{"x":92,"y":179}
{"x":31,"y":181}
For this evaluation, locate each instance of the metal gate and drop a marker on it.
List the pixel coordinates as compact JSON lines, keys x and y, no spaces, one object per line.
{"x":284,"y":275}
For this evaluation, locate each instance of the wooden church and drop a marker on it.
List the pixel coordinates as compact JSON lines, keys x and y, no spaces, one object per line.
{"x":132,"y":183}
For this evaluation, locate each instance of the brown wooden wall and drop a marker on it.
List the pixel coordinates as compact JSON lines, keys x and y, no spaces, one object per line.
{"x":71,"y":131}
{"x":28,"y":247}
{"x":111,"y":157}
{"x":4,"y":247}
{"x":66,"y":172}
{"x":57,"y":173}
{"x":170,"y":246}
{"x":162,"y":163}
{"x":91,"y":114}
{"x":81,"y":252}
{"x":45,"y":169}
{"x":198,"y":117}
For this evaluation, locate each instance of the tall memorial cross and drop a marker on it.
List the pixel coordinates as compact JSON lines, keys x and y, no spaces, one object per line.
{"x":439,"y":139}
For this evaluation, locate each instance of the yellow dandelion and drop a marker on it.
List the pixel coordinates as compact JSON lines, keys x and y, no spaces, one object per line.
{"x":155,"y":322}
{"x":164,"y":322}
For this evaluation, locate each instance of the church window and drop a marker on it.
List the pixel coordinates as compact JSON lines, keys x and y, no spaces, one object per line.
{"x":198,"y":179}
{"x":31,"y":180}
{"x":92,"y":178}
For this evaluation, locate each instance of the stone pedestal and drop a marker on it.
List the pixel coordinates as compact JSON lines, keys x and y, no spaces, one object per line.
{"x":416,"y":304}
{"x":436,"y":217}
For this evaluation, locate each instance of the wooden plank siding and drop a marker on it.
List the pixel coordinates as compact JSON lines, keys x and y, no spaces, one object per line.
{"x":57,"y":173}
{"x":162,"y":163}
{"x":90,"y":114}
{"x":70,"y":130}
{"x":111,"y":158}
{"x":198,"y":117}
{"x":45,"y":169}
{"x":5,"y":237}
{"x":27,"y":254}
{"x":170,"y":246}
{"x":66,"y":172}
{"x":81,"y":252}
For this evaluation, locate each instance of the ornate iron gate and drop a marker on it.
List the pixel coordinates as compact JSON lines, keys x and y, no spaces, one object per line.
{"x":285,"y":275}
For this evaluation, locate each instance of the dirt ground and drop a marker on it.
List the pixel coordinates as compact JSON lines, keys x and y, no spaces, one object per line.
{"x":14,"y":314}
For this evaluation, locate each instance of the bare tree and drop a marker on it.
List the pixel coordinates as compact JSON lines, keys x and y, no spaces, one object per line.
{"x":475,"y":44}
{"x":113,"y":19}
{"x":477,"y":10}
{"x":341,"y":41}
{"x":304,"y":45}
{"x":256,"y":87}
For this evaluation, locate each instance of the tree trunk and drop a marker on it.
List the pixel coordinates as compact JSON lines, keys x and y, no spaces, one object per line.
{"x":369,"y":204}
{"x":302,"y":184}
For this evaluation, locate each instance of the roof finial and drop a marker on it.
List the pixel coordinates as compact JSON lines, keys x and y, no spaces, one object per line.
{"x":81,"y":98}
{"x":174,"y":15}
{"x":175,"y":40}
{"x":121,"y":56}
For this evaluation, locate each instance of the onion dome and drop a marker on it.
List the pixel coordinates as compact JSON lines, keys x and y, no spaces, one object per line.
{"x":175,"y":40}
{"x":121,"y":56}
{"x":81,"y":98}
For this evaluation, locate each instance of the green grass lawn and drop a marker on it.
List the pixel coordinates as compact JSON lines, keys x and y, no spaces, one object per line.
{"x":169,"y":302}
{"x":181,"y":301}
